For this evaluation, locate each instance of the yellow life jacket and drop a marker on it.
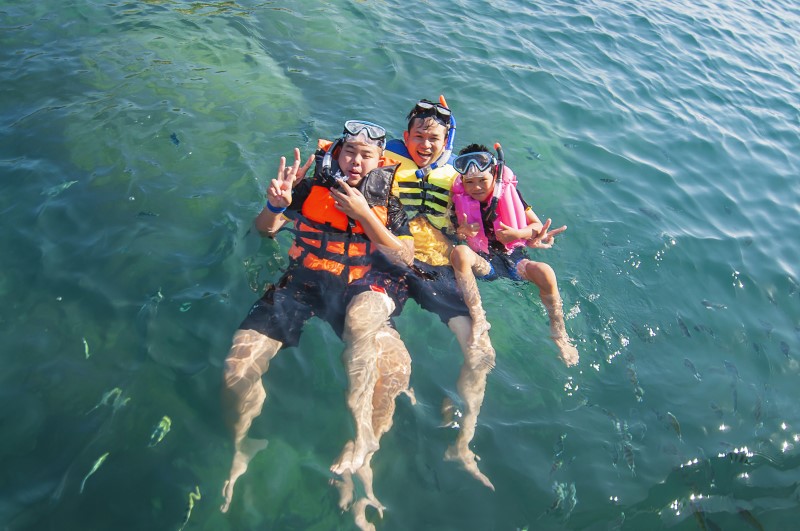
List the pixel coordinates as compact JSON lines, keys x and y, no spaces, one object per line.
{"x":426,"y":202}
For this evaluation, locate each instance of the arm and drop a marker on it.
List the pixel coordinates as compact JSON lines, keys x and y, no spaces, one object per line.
{"x":544,"y":239}
{"x":465,"y":229}
{"x":279,"y":196}
{"x":399,"y":226}
{"x":353,"y":203}
{"x":507,"y":234}
{"x":541,"y":237}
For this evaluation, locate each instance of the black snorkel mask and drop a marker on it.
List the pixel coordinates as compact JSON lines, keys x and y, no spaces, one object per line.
{"x":443,"y":115}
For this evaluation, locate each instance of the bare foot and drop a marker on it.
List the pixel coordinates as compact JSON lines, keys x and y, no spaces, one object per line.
{"x":353,"y":455}
{"x":566,"y":350}
{"x":360,"y":512}
{"x":248,"y":449}
{"x":345,"y":487}
{"x":345,"y":457}
{"x":411,"y":396}
{"x":469,"y":461}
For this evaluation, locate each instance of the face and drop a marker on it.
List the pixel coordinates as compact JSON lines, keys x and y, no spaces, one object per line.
{"x":356,"y":160}
{"x":425,"y":141}
{"x":479,"y":185}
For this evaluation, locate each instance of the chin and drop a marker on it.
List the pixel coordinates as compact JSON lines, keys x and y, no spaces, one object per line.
{"x":423,"y":161}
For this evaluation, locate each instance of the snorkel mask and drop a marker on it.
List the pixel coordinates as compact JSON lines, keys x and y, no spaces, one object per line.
{"x":442,"y":114}
{"x":354,"y":131}
{"x":481,"y":161}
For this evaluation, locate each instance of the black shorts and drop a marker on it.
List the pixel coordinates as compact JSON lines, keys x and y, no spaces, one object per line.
{"x":299,"y":295}
{"x":383,"y":277}
{"x":432,"y":287}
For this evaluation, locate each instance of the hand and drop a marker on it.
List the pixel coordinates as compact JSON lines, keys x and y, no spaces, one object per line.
{"x":350,"y":201}
{"x":301,"y":172}
{"x":506,"y":234}
{"x":466,"y":230}
{"x":279,"y":193}
{"x":544,"y":239}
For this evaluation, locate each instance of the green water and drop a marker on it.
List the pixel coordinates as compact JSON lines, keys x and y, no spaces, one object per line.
{"x":136,"y":142}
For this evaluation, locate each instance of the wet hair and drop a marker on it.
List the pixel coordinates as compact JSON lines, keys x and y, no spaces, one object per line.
{"x":474,"y":148}
{"x":413,"y":114}
{"x":423,"y":118}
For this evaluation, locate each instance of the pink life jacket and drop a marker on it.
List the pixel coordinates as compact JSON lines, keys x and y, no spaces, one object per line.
{"x":509,"y":208}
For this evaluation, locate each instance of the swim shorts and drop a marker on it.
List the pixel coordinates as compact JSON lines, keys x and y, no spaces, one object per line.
{"x":436,"y":291}
{"x":432,"y":287}
{"x":299,"y":295}
{"x":504,"y":265}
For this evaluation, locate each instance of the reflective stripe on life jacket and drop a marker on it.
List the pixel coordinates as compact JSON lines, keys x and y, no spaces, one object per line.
{"x":429,"y":196}
{"x":326,"y":239}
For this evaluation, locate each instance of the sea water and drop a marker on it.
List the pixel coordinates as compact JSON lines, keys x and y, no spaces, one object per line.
{"x":136,"y":143}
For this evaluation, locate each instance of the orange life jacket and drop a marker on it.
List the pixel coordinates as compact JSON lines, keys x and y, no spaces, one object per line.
{"x":326,"y":239}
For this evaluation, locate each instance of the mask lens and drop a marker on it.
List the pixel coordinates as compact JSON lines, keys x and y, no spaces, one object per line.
{"x":444,"y":112}
{"x":482,"y":161}
{"x":426,"y":108}
{"x":368,"y":132}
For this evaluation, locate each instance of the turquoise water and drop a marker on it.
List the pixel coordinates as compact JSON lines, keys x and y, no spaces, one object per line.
{"x":136,"y":142}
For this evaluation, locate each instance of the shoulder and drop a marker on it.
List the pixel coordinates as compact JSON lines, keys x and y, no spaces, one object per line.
{"x":300,"y":193}
{"x":377,"y":185}
{"x":397,"y":147}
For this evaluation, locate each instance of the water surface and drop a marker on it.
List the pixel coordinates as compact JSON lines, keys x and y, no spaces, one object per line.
{"x":137,"y":140}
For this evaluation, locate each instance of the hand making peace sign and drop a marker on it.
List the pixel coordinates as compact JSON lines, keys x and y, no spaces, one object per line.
{"x":279,"y":193}
{"x":465,"y":229}
{"x":544,"y":239}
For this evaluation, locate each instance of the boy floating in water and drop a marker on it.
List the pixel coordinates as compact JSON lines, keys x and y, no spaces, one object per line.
{"x":341,"y":213}
{"x":494,"y":226}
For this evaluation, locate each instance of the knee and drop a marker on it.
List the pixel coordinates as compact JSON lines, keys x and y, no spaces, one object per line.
{"x":460,"y":256}
{"x":237,"y":372}
{"x":366,"y":314}
{"x":540,"y":274}
{"x":249,"y":357}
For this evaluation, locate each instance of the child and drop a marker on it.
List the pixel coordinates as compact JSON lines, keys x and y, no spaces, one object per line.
{"x":494,"y":225}
{"x":340,"y":214}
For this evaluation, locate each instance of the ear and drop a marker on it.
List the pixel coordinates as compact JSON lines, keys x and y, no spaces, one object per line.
{"x":405,"y":137}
